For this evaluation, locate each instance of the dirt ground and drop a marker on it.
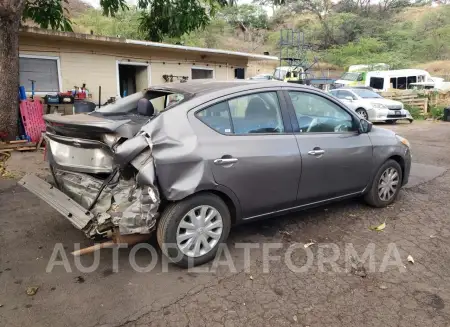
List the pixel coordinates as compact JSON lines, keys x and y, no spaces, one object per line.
{"x":355,"y":294}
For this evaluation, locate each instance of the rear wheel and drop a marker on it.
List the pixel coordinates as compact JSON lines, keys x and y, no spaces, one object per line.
{"x":386,"y":185}
{"x":191,"y":230}
{"x":362,"y":113}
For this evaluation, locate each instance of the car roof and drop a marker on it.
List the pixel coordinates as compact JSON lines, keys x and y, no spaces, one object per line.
{"x":368,"y":88}
{"x":203,"y":87}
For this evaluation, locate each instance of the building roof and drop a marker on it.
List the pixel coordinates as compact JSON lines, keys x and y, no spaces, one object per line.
{"x":123,"y":41}
{"x":199,"y":87}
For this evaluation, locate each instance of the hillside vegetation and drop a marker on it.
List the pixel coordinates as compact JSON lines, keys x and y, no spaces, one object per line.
{"x":340,"y":34}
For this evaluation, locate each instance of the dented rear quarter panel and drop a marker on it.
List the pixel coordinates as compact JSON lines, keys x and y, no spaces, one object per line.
{"x":182,"y":162}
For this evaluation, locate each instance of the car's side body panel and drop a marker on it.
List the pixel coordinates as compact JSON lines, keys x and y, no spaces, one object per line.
{"x":173,"y":157}
{"x":267,"y":168}
{"x":344,"y":168}
{"x":346,"y":163}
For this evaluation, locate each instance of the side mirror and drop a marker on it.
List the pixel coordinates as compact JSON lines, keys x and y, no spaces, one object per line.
{"x":348,"y":98}
{"x":365,"y":126}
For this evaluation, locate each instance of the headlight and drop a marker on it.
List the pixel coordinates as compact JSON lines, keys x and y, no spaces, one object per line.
{"x":403,"y":140}
{"x":378,"y":106}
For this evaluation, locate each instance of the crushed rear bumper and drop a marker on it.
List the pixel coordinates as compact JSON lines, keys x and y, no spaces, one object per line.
{"x":126,"y":200}
{"x":72,"y":211}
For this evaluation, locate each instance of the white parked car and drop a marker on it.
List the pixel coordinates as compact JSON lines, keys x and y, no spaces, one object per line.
{"x":372,"y":106}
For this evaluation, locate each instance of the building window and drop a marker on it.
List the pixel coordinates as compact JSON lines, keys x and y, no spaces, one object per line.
{"x":44,"y":71}
{"x":202,"y":73}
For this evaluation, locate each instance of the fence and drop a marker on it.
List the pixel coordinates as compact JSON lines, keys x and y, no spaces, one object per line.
{"x":412,"y":98}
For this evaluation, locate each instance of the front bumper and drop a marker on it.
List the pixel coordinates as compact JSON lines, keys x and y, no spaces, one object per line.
{"x":407,"y":169}
{"x":380,"y":115}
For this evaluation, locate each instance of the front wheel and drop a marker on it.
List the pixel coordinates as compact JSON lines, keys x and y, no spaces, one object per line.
{"x":191,"y":230}
{"x":386,"y":185}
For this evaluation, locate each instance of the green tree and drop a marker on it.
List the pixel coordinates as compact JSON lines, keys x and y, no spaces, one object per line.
{"x":247,"y":14}
{"x":124,"y":24}
{"x":159,"y":18}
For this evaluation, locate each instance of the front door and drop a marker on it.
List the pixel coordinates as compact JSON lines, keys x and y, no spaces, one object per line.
{"x":336,"y":158}
{"x":252,"y":153}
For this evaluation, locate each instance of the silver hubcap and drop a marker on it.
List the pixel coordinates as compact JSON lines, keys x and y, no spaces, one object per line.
{"x":388,"y":184}
{"x":362,"y":114}
{"x":199,"y":231}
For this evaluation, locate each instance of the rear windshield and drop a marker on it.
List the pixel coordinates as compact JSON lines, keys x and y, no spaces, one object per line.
{"x":160,"y":100}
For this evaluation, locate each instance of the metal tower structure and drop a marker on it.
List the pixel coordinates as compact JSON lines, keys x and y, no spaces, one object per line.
{"x":295,"y":52}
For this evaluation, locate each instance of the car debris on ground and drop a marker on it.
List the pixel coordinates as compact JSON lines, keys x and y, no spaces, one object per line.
{"x":307,"y":245}
{"x":378,"y":228}
{"x":32,"y":290}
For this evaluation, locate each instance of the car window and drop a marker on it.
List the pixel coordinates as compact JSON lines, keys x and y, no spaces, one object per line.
{"x":217,"y":117}
{"x":316,"y":114}
{"x":344,"y":95}
{"x":256,"y":113}
{"x":366,"y":94}
{"x":377,"y":83}
{"x":250,"y":114}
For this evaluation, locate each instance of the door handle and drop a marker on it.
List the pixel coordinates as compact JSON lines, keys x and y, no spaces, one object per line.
{"x":225,"y":161}
{"x":316,"y":152}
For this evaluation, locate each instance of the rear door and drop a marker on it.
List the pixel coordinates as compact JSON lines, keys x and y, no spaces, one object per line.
{"x":336,"y":158}
{"x":252,"y":151}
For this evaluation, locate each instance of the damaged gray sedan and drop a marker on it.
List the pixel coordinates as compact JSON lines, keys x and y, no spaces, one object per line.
{"x":190,"y":160}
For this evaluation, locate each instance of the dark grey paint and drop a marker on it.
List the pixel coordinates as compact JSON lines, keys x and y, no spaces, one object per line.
{"x":273,"y":172}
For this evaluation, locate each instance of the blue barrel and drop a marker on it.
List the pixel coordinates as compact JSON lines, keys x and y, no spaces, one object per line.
{"x":22,"y":93}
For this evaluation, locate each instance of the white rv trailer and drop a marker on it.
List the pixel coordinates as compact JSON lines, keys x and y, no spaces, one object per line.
{"x":396,"y":79}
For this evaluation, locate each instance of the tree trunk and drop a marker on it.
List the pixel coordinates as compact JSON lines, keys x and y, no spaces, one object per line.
{"x":9,"y":72}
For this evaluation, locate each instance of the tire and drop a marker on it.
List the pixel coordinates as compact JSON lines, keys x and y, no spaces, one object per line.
{"x":362,"y":113}
{"x":168,"y":228}
{"x":410,"y":121}
{"x":373,"y":197}
{"x":392,"y":122}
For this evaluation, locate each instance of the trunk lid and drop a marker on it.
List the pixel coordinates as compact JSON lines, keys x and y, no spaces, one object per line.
{"x":84,"y":142}
{"x":94,"y":125}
